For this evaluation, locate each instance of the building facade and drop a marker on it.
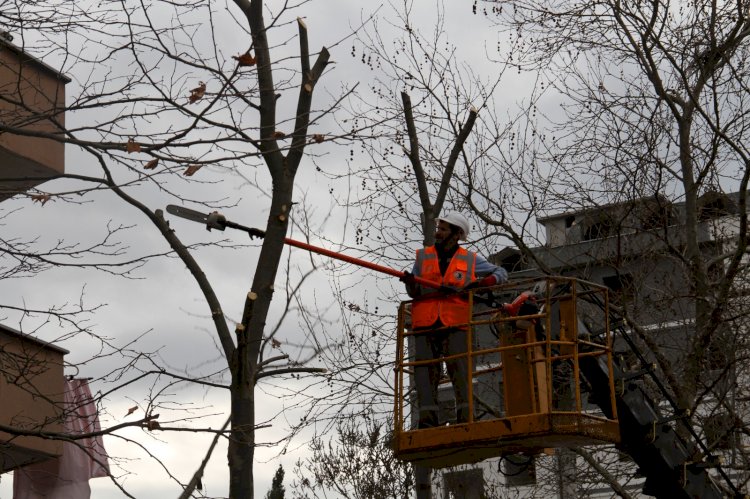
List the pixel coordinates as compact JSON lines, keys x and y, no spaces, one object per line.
{"x":636,"y":249}
{"x":32,"y":102}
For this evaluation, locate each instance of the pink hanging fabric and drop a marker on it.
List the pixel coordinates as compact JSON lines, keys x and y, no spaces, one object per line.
{"x":67,"y":477}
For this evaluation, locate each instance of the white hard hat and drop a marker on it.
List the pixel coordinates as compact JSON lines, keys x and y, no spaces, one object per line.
{"x":459,"y":221}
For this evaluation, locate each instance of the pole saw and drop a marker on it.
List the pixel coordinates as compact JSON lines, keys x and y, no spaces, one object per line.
{"x":216,"y":220}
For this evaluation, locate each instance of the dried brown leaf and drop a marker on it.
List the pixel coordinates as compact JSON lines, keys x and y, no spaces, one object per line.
{"x":278,"y":135}
{"x":151,"y":164}
{"x":41,"y":198}
{"x":191,"y":170}
{"x":318,"y":138}
{"x":131,"y":410}
{"x":152,"y":425}
{"x":275,"y":343}
{"x":132,"y":146}
{"x":197,"y":93}
{"x":245,"y":59}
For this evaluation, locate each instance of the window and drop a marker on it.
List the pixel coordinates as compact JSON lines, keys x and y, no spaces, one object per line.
{"x":465,"y":484}
{"x":715,"y":204}
{"x":596,"y":230}
{"x":598,"y":226}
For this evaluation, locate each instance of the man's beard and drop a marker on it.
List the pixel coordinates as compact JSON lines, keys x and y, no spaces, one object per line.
{"x":445,"y":245}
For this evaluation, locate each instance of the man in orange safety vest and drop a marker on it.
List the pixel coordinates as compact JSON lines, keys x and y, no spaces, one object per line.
{"x":442,"y":314}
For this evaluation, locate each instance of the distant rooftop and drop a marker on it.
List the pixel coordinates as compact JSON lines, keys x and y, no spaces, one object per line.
{"x":27,"y":337}
{"x":7,"y":44}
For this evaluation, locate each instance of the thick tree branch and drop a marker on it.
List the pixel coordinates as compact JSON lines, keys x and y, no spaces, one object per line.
{"x":290,"y":370}
{"x":449,"y":167}
{"x":195,"y":482}
{"x":608,"y":477}
{"x":217,"y":314}
{"x":416,"y":164}
{"x":304,"y":99}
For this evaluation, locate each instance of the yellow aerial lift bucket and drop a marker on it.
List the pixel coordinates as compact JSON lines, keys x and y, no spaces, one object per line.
{"x":527,"y":390}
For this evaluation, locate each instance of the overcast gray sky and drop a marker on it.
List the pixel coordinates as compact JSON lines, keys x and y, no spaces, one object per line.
{"x":164,"y":302}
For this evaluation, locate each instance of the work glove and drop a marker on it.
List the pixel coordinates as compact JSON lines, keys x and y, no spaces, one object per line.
{"x":410,"y":283}
{"x":408,"y":278}
{"x":528,"y":307}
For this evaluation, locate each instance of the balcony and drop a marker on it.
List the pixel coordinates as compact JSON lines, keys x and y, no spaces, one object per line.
{"x":32,"y":102}
{"x":31,"y":391}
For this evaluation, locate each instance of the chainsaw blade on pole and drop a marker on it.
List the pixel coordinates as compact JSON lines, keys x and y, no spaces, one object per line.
{"x":187,"y":213}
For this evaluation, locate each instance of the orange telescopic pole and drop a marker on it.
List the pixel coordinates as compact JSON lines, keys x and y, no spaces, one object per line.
{"x":356,"y":261}
{"x":217,"y":221}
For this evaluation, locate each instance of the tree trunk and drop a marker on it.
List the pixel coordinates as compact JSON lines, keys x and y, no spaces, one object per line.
{"x":242,"y":435}
{"x":249,"y":341}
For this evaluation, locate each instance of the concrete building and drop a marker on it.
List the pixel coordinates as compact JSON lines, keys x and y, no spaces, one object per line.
{"x":32,"y":101}
{"x":633,"y":248}
{"x":31,"y":390}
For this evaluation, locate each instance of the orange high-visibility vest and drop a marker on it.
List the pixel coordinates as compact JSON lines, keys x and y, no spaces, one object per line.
{"x":452,"y":310}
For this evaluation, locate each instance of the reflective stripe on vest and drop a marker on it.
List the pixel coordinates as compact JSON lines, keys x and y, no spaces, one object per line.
{"x":451,"y":310}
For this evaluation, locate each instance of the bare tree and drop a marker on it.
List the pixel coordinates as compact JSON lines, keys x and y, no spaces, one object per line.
{"x":649,"y":132}
{"x":424,"y":105}
{"x":419,"y":119}
{"x":358,"y":463}
{"x":158,"y":94}
{"x":620,"y":114}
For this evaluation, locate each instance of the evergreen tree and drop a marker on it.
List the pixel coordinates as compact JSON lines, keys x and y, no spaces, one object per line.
{"x":277,"y":485}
